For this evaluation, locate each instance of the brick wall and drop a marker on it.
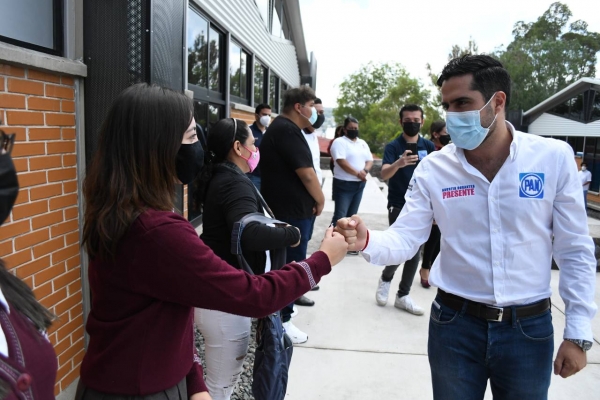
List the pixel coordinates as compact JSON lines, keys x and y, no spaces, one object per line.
{"x":40,"y":241}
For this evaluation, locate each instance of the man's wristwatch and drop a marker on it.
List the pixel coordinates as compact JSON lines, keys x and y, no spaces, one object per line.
{"x":585,"y":345}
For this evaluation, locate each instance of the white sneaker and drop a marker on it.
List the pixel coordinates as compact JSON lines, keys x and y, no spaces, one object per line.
{"x":383,"y":291}
{"x":294,"y":333}
{"x":406,"y":303}
{"x":295,"y":312}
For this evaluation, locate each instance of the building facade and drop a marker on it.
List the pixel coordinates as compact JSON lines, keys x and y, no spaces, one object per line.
{"x":62,"y":62}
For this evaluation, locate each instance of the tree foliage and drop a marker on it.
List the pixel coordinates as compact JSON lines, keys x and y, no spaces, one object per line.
{"x":547,"y":55}
{"x":374,"y":95}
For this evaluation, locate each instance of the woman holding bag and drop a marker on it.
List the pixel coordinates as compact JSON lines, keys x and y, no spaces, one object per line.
{"x":148,"y":268}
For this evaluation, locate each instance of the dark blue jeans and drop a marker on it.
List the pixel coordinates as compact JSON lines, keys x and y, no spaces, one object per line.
{"x":297,"y":253}
{"x":347,"y":198}
{"x":465,"y":351}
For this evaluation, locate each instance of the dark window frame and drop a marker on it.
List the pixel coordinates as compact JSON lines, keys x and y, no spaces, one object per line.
{"x":249,"y":78}
{"x":59,"y":38}
{"x":276,"y":95}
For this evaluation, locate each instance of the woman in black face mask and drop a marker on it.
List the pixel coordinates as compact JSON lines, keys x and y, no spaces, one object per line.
{"x":27,"y":359}
{"x":148,"y":269}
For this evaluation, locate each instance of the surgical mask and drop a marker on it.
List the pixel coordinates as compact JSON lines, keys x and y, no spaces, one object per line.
{"x":444,"y":139}
{"x":9,"y":186}
{"x":253,"y":160}
{"x":319,"y":122}
{"x":265,"y":120}
{"x":411,"y":128}
{"x":465,"y":127}
{"x":313,"y":115}
{"x":352,"y":133}
{"x":189,"y":162}
{"x":584,"y":168}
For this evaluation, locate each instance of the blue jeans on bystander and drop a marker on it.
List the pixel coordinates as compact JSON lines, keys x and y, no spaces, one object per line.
{"x":348,"y":195}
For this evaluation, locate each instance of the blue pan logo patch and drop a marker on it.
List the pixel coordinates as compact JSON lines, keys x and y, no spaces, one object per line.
{"x":532,"y":185}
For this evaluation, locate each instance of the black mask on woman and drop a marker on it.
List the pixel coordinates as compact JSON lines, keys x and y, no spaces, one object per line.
{"x":411,"y":128}
{"x":444,"y":139}
{"x":189,"y":162}
{"x":319,"y":122}
{"x":352,"y":133}
{"x":9,"y":186}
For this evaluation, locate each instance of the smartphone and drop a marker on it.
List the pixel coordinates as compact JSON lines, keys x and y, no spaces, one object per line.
{"x":413,"y":149}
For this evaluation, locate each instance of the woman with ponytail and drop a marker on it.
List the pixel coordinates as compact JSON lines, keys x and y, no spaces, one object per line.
{"x":27,"y":360}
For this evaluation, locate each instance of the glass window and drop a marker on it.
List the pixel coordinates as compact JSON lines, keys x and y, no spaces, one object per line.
{"x":215,"y":38}
{"x":276,"y":30}
{"x":596,"y":109}
{"x":576,"y":143}
{"x":562,"y":110}
{"x":282,"y":88}
{"x":260,"y":74}
{"x":273,"y":93}
{"x":35,"y":24}
{"x":577,"y":108}
{"x":234,"y":69}
{"x":197,"y":39}
{"x":244,"y":67}
{"x":263,"y":9}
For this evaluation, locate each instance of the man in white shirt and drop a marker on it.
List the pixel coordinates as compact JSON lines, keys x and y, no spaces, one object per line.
{"x":506,"y":202}
{"x":585,"y":177}
{"x":313,"y":140}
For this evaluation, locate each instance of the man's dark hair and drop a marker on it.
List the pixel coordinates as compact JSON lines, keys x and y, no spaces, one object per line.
{"x":300,"y":95}
{"x":583,"y":163}
{"x":489,"y":75}
{"x":318,"y":101}
{"x":437,"y":127}
{"x":261,"y":107}
{"x":410,"y":107}
{"x":348,"y":120}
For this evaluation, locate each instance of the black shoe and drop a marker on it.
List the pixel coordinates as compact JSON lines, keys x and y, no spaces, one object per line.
{"x":304,"y":301}
{"x":315,"y":288}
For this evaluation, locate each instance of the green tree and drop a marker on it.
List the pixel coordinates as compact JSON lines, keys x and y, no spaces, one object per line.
{"x":547,"y":55}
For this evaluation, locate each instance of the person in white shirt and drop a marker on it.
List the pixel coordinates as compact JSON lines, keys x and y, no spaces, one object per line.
{"x":585,"y":177}
{"x":313,"y":140}
{"x":352,"y":162}
{"x":506,"y":203}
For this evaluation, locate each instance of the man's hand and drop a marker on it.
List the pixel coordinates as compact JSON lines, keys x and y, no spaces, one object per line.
{"x":362,"y":175}
{"x":201,"y":396}
{"x":318,"y":209}
{"x":570,"y":359}
{"x":406,"y":159}
{"x":354,"y":231}
{"x":299,"y":240}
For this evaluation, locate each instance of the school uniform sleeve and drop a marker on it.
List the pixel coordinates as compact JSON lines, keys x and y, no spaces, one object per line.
{"x":195,"y":378}
{"x":338,"y":150}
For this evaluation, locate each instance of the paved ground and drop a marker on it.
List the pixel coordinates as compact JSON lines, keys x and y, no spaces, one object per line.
{"x":358,"y":350}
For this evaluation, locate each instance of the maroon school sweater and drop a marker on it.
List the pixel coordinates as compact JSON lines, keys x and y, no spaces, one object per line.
{"x":141,"y":321}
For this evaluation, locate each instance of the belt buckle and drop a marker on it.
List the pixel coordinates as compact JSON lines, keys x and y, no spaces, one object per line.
{"x":499,"y":316}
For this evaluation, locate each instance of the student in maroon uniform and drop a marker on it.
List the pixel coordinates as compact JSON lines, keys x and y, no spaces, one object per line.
{"x":148,"y":268}
{"x":27,"y":360}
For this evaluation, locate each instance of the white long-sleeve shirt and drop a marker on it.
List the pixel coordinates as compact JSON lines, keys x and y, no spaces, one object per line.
{"x":497,"y":238}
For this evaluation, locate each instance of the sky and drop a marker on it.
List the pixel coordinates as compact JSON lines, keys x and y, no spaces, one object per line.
{"x":346,"y":34}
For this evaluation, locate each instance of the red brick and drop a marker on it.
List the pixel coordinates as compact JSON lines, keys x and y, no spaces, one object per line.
{"x":28,"y":149}
{"x":77,"y":333}
{"x":19,"y":258}
{"x":76,"y":311}
{"x":69,"y":187}
{"x":71,"y":213}
{"x":69,"y":160}
{"x":75,"y":286}
{"x":65,"y":174}
{"x":53,"y":299}
{"x":71,"y":352}
{"x":68,"y":133}
{"x":49,"y":273}
{"x":48,"y":162}
{"x":14,"y":229}
{"x":57,"y":389}
{"x":44,"y":192}
{"x":21,"y":164}
{"x":32,"y":239}
{"x":61,"y":347}
{"x":31,"y":178}
{"x":60,"y":119}
{"x":20,"y":133}
{"x":65,"y":253}
{"x":43,"y":290}
{"x":65,"y":280}
{"x":39,"y":103}
{"x":61,"y":147}
{"x":33,"y":267}
{"x":63,"y":201}
{"x":1,"y":83}
{"x":65,"y":227}
{"x":24,"y":118}
{"x":12,"y":101}
{"x":47,"y":219}
{"x":25,"y":87}
{"x":48,"y":247}
{"x":67,"y":81}
{"x":30,"y":209}
{"x":11,"y":70}
{"x":56,"y":324}
{"x":67,"y":329}
{"x":73,"y":262}
{"x":22,"y":197}
{"x":61,"y":92}
{"x":71,"y":376}
{"x":6,"y":248}
{"x":43,"y":76}
{"x":72,"y":238}
{"x":29,"y":282}
{"x":68,"y":106}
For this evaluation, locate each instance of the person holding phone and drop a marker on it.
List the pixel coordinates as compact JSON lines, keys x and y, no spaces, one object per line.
{"x":399,"y":161}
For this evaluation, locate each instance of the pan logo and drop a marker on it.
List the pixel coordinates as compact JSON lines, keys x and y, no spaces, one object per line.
{"x":532,"y":185}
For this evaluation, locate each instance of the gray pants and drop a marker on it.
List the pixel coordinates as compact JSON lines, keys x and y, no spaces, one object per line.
{"x":410,"y":266}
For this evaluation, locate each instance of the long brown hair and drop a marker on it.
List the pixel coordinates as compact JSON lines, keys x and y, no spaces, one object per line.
{"x":134,"y":166}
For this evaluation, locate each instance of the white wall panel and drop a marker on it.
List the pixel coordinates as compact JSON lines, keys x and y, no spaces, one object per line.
{"x":551,"y":125}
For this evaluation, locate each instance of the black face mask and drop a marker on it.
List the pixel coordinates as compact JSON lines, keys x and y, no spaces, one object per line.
{"x":319,"y":122}
{"x":444,"y":139}
{"x":9,"y":186}
{"x":189,"y":162}
{"x":411,"y":128}
{"x":352,"y":133}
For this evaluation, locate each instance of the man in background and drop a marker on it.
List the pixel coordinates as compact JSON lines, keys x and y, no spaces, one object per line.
{"x":262,"y":120}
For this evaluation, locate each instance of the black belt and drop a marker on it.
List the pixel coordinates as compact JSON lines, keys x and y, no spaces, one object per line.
{"x":492,"y":313}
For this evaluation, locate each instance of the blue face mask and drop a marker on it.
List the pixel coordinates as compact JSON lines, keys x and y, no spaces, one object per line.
{"x":465,"y":127}
{"x":313,"y":115}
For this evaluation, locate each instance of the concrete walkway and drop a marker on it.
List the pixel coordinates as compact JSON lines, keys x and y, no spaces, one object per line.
{"x":358,"y":350}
